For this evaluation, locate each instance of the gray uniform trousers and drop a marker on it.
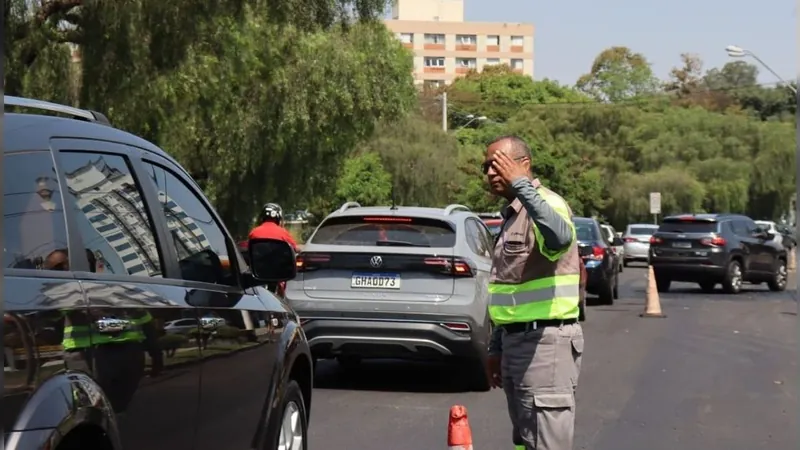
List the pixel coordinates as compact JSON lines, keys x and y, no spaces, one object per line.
{"x":540,"y":371}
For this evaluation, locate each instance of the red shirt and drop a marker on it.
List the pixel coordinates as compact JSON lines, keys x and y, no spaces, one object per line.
{"x":270,"y":230}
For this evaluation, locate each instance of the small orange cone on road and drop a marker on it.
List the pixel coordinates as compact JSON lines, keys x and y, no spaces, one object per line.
{"x":459,"y":434}
{"x":652,"y":306}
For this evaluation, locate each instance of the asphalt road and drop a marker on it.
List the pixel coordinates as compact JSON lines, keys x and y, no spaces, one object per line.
{"x":720,"y":372}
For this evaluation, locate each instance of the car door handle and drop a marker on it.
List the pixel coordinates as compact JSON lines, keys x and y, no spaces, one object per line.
{"x":112,"y":325}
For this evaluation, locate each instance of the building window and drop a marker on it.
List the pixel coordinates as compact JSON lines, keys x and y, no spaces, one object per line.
{"x":493,"y":40}
{"x":517,"y":41}
{"x":467,"y":63}
{"x":434,"y":61}
{"x":466,"y":39}
{"x":516,"y":64}
{"x":492,"y":61}
{"x":437,"y":39}
{"x":406,"y":38}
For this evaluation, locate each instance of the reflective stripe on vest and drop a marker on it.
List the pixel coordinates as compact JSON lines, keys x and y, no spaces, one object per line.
{"x":556,"y":297}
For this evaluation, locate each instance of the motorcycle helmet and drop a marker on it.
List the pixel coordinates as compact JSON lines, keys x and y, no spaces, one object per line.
{"x":271,"y":212}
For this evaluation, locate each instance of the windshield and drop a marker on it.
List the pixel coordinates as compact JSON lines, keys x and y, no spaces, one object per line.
{"x":586,"y":230}
{"x":385,"y":231}
{"x":688,"y":227}
{"x":642,"y":231}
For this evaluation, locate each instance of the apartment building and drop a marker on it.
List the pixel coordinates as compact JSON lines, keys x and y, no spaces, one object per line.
{"x":445,"y":46}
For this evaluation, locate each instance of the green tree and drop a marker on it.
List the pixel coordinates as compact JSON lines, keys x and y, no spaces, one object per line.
{"x":258,"y":100}
{"x":618,"y":74}
{"x":364,"y":180}
{"x":497,"y":92}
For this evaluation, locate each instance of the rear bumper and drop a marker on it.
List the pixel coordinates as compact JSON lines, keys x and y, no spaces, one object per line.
{"x":415,"y":338}
{"x":636,"y":252}
{"x":688,"y":270}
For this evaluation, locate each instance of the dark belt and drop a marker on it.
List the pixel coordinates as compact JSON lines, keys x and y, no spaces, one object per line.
{"x":522,"y":327}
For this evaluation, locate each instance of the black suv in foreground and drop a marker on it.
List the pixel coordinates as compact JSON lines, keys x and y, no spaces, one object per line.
{"x":131,"y":320}
{"x":602,"y":264}
{"x":716,"y":248}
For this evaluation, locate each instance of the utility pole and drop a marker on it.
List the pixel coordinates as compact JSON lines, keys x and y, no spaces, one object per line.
{"x":444,"y":111}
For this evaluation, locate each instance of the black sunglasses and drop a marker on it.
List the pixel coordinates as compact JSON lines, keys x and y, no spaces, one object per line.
{"x":488,"y":164}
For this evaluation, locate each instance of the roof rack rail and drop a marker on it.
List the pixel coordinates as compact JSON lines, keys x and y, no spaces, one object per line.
{"x":76,"y":113}
{"x":452,"y":208}
{"x":349,"y":205}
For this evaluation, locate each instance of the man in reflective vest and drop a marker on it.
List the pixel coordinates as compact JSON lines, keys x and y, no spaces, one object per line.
{"x":537,"y":343}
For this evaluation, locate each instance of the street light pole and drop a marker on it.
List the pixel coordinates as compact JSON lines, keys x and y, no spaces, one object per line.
{"x":444,"y":111}
{"x":738,"y":52}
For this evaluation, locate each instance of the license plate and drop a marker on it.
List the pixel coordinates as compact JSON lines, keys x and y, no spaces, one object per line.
{"x":375,"y":281}
{"x":682,"y":244}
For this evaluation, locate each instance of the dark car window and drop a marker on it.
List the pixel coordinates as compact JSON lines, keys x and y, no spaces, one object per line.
{"x":688,"y":227}
{"x":201,"y":244}
{"x":372,"y":230}
{"x":34,"y":229}
{"x":111,"y":214}
{"x":586,"y":230}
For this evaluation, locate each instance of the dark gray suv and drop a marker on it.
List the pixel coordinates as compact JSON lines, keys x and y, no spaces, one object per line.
{"x":131,"y":320}
{"x":711,"y":249}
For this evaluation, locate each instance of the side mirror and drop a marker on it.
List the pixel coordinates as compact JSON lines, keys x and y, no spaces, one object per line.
{"x":272,"y":260}
{"x":616,"y":242}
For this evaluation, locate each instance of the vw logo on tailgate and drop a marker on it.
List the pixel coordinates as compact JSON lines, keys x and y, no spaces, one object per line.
{"x":376,"y":261}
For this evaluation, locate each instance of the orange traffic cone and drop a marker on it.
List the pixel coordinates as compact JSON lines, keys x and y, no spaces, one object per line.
{"x":459,"y":434}
{"x":652,"y":306}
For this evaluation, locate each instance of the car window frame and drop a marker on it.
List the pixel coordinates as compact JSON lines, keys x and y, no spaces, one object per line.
{"x":72,"y":240}
{"x":124,"y":151}
{"x":487,"y":234}
{"x":480,"y":242}
{"x":234,"y":256}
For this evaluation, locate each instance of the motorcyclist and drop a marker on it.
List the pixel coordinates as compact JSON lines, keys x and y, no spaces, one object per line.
{"x":271,"y":220}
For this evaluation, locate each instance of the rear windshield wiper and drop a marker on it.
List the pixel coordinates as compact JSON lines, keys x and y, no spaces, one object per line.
{"x":399,"y":244}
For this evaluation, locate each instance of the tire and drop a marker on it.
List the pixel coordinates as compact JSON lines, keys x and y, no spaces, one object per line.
{"x":292,"y":409}
{"x":625,"y":263}
{"x":616,"y":286}
{"x":780,"y":277}
{"x":732,"y":283}
{"x":621,"y":266}
{"x":606,"y":294}
{"x":478,"y":375}
{"x":707,"y":286}
{"x":662,"y":283}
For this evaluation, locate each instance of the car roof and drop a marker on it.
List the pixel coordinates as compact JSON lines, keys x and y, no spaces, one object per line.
{"x":710,"y":217}
{"x":19,"y":134}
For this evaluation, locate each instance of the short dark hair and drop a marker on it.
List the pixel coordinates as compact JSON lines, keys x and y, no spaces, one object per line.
{"x":519,"y":147}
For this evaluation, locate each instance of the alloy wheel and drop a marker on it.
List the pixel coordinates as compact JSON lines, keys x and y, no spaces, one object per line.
{"x":291,"y":437}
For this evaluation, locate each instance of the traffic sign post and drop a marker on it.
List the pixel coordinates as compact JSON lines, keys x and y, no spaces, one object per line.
{"x":655,"y":205}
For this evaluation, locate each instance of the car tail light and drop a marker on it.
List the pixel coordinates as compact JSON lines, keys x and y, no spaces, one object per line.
{"x":597,"y":254}
{"x":655,"y":240}
{"x":630,"y":239}
{"x":457,"y":267}
{"x":456,"y":326}
{"x":310,"y":261}
{"x":714,"y":241}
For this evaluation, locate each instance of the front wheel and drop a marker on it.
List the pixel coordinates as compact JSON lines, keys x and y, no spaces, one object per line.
{"x":662,"y":283}
{"x":778,"y":281}
{"x":289,"y":426}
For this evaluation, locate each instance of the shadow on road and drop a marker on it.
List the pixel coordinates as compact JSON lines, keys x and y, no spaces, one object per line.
{"x":391,"y":375}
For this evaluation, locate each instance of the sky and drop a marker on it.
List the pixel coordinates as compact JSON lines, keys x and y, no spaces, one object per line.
{"x":571,"y":33}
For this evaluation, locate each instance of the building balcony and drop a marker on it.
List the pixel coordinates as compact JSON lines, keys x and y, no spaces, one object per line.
{"x":466,"y":47}
{"x":433,"y":70}
{"x":433,"y":47}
